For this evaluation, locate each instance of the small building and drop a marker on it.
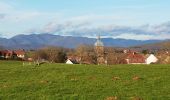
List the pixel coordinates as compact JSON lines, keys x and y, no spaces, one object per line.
{"x":151,"y":59}
{"x":19,"y":53}
{"x":71,"y":61}
{"x":6,"y":54}
{"x":135,"y":58}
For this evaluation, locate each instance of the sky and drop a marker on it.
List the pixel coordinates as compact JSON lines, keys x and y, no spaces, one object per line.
{"x":128,"y":19}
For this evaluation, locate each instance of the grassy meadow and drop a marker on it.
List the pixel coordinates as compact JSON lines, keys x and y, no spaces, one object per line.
{"x":83,"y":82}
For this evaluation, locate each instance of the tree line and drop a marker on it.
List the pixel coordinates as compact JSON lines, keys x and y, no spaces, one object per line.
{"x":85,"y":54}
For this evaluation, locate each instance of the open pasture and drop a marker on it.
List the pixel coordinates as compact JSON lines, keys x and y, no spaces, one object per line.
{"x":83,"y":82}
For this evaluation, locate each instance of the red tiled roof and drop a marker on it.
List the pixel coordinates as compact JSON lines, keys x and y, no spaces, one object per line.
{"x":135,"y":58}
{"x":135,"y":55}
{"x":19,"y":52}
{"x":6,"y":51}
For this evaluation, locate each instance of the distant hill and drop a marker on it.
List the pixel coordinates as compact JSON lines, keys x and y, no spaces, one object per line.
{"x":34,"y":41}
{"x":160,"y":45}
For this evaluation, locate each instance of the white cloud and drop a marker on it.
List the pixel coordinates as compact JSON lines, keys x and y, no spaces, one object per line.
{"x":143,"y":36}
{"x":145,"y":32}
{"x":162,"y":28}
{"x":92,"y":17}
{"x":65,"y":27}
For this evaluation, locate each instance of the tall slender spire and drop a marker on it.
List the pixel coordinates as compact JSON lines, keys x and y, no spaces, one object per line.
{"x":99,"y":50}
{"x":99,"y":42}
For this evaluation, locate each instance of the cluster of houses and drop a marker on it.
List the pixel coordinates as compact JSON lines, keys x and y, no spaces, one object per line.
{"x":12,"y":54}
{"x":130,"y":57}
{"x":136,"y":58}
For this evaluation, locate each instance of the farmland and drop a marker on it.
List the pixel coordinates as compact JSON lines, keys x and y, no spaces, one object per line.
{"x":83,"y":82}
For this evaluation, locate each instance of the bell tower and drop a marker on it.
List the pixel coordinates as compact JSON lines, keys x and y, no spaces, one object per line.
{"x":99,"y":50}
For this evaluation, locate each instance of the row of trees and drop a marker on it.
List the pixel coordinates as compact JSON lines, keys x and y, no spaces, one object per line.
{"x":51,"y":54}
{"x":85,"y":53}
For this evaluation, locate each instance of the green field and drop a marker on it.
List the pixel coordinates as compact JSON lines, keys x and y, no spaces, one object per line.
{"x":83,"y":82}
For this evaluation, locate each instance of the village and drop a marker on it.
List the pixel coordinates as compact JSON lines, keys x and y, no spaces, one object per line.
{"x":84,"y":54}
{"x":84,"y":50}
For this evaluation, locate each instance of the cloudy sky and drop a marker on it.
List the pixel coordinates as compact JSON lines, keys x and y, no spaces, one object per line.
{"x":129,"y":19}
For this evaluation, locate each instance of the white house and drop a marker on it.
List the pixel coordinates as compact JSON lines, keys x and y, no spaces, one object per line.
{"x":151,"y":59}
{"x":70,"y":61}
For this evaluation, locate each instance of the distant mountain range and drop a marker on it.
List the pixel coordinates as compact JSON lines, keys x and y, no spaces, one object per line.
{"x":155,"y":46}
{"x":35,"y":41}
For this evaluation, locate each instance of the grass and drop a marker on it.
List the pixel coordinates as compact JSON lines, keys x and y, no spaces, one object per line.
{"x":83,"y":82}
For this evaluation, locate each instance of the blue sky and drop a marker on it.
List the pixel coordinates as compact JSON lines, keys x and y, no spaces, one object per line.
{"x":129,"y":19}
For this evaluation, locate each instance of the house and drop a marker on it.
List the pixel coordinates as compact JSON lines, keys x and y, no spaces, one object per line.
{"x":10,"y":54}
{"x":151,"y":59}
{"x":135,"y":58}
{"x":19,"y":53}
{"x":6,"y":54}
{"x":71,"y":61}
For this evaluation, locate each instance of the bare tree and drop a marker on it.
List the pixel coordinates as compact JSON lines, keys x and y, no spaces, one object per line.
{"x":52,"y":54}
{"x":86,"y":54}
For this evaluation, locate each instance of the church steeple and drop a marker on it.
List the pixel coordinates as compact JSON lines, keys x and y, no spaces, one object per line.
{"x":99,"y":50}
{"x":99,"y":42}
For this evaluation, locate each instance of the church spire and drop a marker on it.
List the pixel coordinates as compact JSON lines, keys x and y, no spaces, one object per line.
{"x":99,"y":42}
{"x":99,"y":50}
